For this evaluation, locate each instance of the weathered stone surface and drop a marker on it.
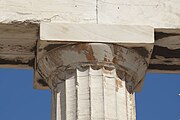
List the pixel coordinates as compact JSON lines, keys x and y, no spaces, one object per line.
{"x":102,"y":33}
{"x":156,"y":13}
{"x":18,"y":48}
{"x":71,"y":56}
{"x":44,"y":10}
{"x":166,"y":53}
{"x":18,"y":45}
{"x":93,"y":94}
{"x":67,"y":46}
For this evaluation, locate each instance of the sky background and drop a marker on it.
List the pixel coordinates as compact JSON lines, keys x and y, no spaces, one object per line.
{"x":158,"y":100}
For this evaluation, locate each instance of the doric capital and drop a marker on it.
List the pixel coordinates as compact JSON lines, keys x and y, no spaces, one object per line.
{"x":57,"y":60}
{"x":60,"y":62}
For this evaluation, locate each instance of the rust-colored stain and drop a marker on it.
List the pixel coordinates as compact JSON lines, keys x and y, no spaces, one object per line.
{"x":118,"y":83}
{"x":87,"y":49}
{"x":115,"y":60}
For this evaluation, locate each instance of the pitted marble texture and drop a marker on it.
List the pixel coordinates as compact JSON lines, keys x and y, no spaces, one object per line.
{"x":62,"y":61}
{"x":93,"y":94}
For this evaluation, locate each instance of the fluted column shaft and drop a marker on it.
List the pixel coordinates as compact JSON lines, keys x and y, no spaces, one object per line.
{"x":92,"y":94}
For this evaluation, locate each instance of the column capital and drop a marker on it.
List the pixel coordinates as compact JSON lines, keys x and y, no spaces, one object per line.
{"x":59,"y":63}
{"x":124,"y":48}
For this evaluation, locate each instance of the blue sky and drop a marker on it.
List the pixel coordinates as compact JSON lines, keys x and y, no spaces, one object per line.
{"x":158,"y":100}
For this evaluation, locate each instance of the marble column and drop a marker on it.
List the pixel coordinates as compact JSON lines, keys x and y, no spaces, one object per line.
{"x":92,"y":81}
